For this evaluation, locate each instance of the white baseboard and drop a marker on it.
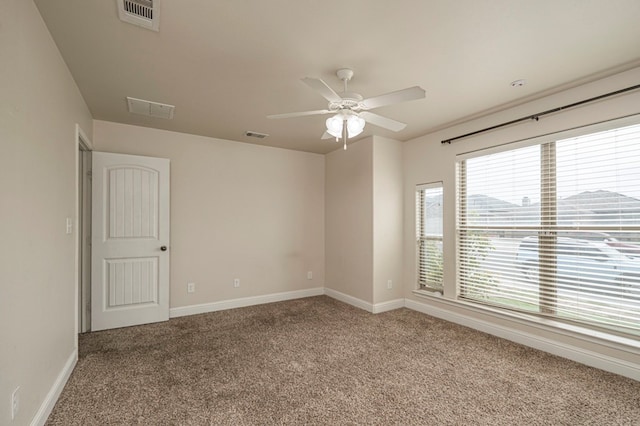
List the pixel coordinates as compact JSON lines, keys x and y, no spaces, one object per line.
{"x":54,"y":393}
{"x":359,"y":303}
{"x":353,"y":301}
{"x":280,"y":297}
{"x":243,"y":302}
{"x":388,"y":306}
{"x":552,"y":346}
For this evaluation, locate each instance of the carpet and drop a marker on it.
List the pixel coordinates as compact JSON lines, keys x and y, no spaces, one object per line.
{"x":317,"y":361}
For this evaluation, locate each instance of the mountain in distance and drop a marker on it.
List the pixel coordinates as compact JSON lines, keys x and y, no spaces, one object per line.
{"x":481,"y":202}
{"x":601,"y":201}
{"x":585,"y":204}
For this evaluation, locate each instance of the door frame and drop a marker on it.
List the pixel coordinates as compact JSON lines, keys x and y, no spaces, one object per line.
{"x":83,"y":148}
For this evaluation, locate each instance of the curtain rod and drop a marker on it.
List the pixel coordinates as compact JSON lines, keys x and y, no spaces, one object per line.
{"x":537,"y":116}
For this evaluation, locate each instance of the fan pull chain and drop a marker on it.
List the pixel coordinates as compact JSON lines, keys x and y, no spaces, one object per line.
{"x":344,"y":134}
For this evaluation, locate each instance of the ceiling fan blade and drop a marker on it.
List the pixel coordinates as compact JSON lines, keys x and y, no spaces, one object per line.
{"x":409,"y":94}
{"x":323,"y":88}
{"x":380,"y":121}
{"x":299,"y":114}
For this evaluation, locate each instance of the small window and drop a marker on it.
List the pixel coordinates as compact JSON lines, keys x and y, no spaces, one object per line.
{"x":429,"y":236}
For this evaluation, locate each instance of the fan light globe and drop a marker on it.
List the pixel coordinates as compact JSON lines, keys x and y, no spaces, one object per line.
{"x":355,"y":125}
{"x":334,"y":126}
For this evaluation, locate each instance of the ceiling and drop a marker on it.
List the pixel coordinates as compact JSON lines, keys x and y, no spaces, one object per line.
{"x":227,"y":64}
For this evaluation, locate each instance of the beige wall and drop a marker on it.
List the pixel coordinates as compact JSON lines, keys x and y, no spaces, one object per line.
{"x":427,"y":160}
{"x":237,"y":211}
{"x":39,"y":108}
{"x":364,"y":220}
{"x":387,"y":219}
{"x":349,"y":220}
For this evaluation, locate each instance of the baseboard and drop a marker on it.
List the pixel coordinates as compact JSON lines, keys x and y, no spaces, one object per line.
{"x":353,"y":301}
{"x":359,"y":303}
{"x":243,"y":302}
{"x":280,"y":297}
{"x":552,"y":346}
{"x":54,"y":393}
{"x":388,"y":306}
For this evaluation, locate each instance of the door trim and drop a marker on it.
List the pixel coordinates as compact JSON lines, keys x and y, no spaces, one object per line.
{"x":82,"y":249}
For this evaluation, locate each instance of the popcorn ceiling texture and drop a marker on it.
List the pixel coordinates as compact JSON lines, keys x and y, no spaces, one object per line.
{"x":319,"y":361}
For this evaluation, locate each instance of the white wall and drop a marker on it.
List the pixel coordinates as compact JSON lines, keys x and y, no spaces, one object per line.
{"x":39,"y":108}
{"x":427,"y":160}
{"x":237,"y":211}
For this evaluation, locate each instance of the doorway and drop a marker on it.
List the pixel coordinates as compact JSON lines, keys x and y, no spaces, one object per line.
{"x":83,"y":226}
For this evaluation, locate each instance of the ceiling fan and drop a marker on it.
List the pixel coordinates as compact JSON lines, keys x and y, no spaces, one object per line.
{"x":350,"y":109}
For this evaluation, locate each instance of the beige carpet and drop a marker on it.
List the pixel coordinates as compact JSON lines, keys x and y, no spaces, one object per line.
{"x":319,"y":361}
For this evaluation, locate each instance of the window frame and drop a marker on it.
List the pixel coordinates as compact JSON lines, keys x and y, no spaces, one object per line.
{"x":548,"y":204}
{"x":421,"y":237}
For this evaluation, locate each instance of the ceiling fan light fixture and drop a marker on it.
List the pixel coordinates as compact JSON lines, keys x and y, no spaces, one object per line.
{"x":334,"y":126}
{"x":355,"y":125}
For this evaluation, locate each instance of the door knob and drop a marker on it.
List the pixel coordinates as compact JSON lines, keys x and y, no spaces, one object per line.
{"x":163,"y":248}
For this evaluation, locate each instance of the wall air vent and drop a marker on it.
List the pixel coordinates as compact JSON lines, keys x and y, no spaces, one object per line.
{"x":144,"y":13}
{"x":150,"y":109}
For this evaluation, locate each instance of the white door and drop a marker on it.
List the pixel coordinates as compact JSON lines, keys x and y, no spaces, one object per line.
{"x":130,"y":240}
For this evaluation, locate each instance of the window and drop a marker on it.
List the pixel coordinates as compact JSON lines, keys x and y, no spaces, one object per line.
{"x":553,"y":228}
{"x":429,"y":235}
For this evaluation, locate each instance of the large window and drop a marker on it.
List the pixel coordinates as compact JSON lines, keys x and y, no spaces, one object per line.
{"x":429,"y":235}
{"x":554,"y":228}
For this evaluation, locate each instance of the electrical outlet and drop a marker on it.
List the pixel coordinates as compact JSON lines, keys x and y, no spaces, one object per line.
{"x":15,"y":402}
{"x":310,"y":275}
{"x":191,"y":287}
{"x":389,"y":284}
{"x":69,"y":224}
{"x":236,"y":282}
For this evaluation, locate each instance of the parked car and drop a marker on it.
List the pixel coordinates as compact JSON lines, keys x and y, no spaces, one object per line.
{"x":585,"y":266}
{"x":626,"y":248}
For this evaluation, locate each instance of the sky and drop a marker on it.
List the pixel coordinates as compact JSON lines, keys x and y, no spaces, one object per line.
{"x":608,"y":160}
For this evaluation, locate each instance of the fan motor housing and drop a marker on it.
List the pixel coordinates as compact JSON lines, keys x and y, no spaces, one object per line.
{"x":350,"y":100}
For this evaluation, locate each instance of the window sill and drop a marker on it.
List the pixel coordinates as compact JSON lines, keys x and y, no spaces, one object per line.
{"x":614,"y":341}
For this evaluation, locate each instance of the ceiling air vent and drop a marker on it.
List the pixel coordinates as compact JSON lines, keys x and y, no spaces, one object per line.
{"x":150,"y":109}
{"x":255,"y":134}
{"x":144,"y":13}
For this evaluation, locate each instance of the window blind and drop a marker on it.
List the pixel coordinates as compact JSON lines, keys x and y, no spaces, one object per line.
{"x":554,"y":228}
{"x":429,"y":235}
